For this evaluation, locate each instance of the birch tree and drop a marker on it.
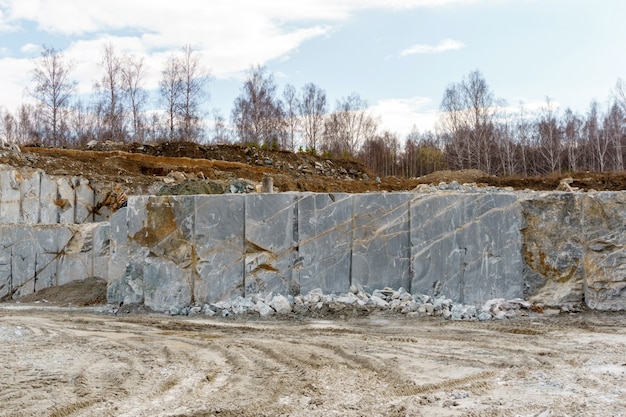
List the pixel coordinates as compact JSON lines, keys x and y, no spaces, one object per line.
{"x":53,"y":89}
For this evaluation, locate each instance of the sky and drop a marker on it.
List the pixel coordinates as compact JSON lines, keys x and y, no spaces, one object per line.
{"x":397,"y":55}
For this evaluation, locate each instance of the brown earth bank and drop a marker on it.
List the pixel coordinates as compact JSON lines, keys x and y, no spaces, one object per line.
{"x":139,"y":166}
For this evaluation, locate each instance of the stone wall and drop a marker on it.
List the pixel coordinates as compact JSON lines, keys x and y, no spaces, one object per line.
{"x":553,"y":248}
{"x":206,"y":248}
{"x":52,"y":231}
{"x":34,"y":197}
{"x":33,"y":257}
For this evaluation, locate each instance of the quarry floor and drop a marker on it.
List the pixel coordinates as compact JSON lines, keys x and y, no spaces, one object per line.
{"x":64,"y":361}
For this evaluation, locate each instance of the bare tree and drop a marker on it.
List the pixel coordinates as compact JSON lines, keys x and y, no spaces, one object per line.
{"x":349,"y":126}
{"x":53,"y":90}
{"x":381,"y":154}
{"x":194,"y":79}
{"x":522,"y":135}
{"x":183,"y":89}
{"x":312,"y":112}
{"x":220,"y":131}
{"x":422,"y":154}
{"x":469,"y":108}
{"x":27,"y":129}
{"x":111,"y":90}
{"x":157,"y":128}
{"x":503,"y":141}
{"x":548,"y":137}
{"x":613,"y":127}
{"x":292,"y":119}
{"x":257,"y":114}
{"x":572,"y":137}
{"x":133,"y":73}
{"x":171,"y":88}
{"x":596,"y":137}
{"x":8,"y":126}
{"x":620,"y":93}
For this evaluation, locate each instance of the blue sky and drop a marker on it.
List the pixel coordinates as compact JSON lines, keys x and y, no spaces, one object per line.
{"x":398,"y":55}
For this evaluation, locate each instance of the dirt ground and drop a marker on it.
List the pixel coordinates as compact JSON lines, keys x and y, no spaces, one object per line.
{"x":59,"y":361}
{"x":138,"y":166}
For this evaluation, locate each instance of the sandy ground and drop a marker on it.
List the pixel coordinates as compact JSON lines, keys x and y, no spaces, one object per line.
{"x":59,"y":361}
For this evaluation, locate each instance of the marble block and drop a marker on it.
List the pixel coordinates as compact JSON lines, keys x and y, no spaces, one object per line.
{"x":380,"y":243}
{"x":324,"y":242}
{"x":219,"y":246}
{"x":270,"y":244}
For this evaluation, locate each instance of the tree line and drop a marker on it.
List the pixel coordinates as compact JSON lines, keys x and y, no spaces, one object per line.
{"x":475,"y":129}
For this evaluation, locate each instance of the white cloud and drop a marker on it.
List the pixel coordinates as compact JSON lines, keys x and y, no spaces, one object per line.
{"x":15,"y":75}
{"x":529,"y":107}
{"x":30,"y":48}
{"x":443,"y":46}
{"x":73,"y":17}
{"x":230,"y":35}
{"x":5,"y":26}
{"x":400,"y":115}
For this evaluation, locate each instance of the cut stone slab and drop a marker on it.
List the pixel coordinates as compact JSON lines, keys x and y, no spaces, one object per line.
{"x":30,"y":187}
{"x":166,"y":284}
{"x":380,"y":245}
{"x":33,"y":257}
{"x":436,"y":241}
{"x":493,"y":263}
{"x":466,"y":246}
{"x":85,"y":201}
{"x":325,"y":242}
{"x":161,"y":245}
{"x":66,"y":200}
{"x":9,"y":196}
{"x":270,"y":244}
{"x":219,"y":243}
{"x":49,"y":208}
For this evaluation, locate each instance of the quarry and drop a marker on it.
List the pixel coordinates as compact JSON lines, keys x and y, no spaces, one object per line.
{"x":352,"y":295}
{"x":470,"y":245}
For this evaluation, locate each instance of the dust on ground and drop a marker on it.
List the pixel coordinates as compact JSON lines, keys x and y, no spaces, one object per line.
{"x":60,"y":359}
{"x":140,"y":166}
{"x":75,"y":362}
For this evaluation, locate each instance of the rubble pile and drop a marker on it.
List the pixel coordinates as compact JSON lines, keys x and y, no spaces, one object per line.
{"x":454,"y":186}
{"x":358,"y":302}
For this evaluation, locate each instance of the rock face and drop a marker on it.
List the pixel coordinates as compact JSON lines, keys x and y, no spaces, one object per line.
{"x":325,"y":238}
{"x":47,"y":232}
{"x":552,"y":248}
{"x":32,"y":258}
{"x":458,"y":242}
{"x":33,"y":197}
{"x":575,"y":249}
{"x":202,"y":249}
{"x":604,"y":235}
{"x":467,"y":246}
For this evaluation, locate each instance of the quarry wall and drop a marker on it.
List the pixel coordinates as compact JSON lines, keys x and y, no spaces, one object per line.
{"x":53,"y":230}
{"x":555,"y":248}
